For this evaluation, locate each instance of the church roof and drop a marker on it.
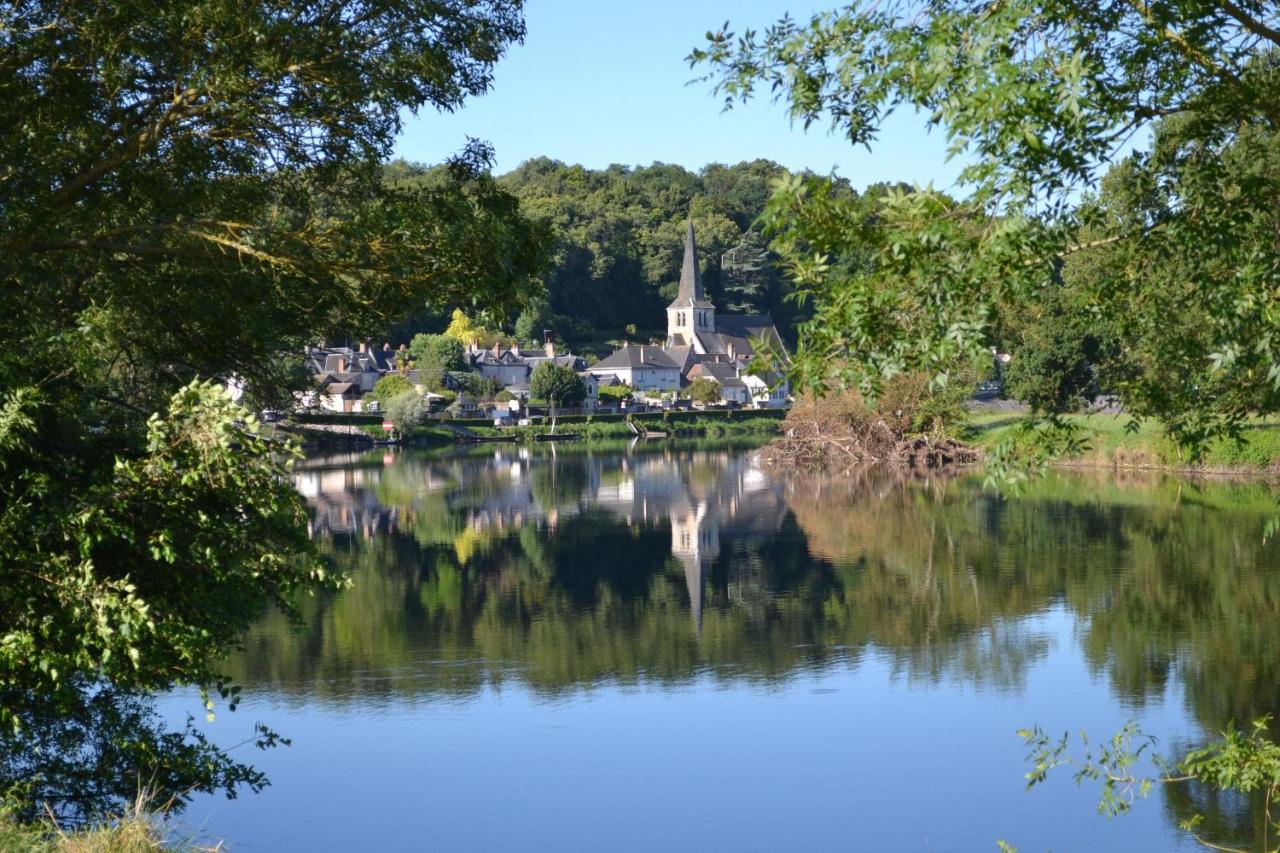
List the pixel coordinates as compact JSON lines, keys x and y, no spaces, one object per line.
{"x":680,"y":355}
{"x":743,"y":325}
{"x":690,"y":294}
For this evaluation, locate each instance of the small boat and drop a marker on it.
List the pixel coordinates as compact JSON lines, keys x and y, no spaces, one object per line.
{"x":489,"y":439}
{"x":559,"y":436}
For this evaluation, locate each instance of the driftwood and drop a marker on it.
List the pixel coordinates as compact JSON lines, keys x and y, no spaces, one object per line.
{"x":843,"y":436}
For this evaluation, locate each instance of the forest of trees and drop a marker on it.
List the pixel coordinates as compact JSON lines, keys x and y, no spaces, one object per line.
{"x":619,"y":237}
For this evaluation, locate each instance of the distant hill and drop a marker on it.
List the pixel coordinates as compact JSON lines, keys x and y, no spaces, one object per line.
{"x":620,"y":232}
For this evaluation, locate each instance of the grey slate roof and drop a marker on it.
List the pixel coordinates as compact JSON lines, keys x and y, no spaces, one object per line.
{"x":690,"y":294}
{"x":681,"y":355}
{"x":573,"y":362}
{"x":720,"y":371}
{"x":743,"y":325}
{"x":631,"y":358}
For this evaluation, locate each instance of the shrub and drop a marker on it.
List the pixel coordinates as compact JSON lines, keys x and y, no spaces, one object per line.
{"x":407,"y":411}
{"x":704,"y":390}
{"x":389,"y":387}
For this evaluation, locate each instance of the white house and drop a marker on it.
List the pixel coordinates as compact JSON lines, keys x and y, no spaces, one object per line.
{"x":645,"y":368}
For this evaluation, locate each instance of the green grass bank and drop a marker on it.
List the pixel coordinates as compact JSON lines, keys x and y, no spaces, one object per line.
{"x":683,"y":424}
{"x":1110,"y":443}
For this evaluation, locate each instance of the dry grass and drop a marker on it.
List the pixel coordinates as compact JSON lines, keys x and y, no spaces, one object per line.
{"x":140,"y":830}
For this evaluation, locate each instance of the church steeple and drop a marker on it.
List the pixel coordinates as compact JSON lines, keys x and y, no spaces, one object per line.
{"x":690,"y":312}
{"x":690,"y":294}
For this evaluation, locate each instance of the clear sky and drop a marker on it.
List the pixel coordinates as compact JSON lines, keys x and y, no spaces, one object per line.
{"x":606,"y":82}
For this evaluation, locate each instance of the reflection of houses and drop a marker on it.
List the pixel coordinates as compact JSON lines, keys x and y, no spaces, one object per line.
{"x":344,"y":503}
{"x":711,"y":502}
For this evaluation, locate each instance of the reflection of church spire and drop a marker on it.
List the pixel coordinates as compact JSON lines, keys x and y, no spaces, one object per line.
{"x":693,"y":580}
{"x":695,"y":537}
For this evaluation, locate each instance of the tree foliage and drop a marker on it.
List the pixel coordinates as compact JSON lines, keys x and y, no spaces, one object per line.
{"x":620,"y":236}
{"x":550,"y":381}
{"x":704,"y":389}
{"x":438,"y":352}
{"x":407,"y":411}
{"x":389,"y":386}
{"x":1039,"y":99}
{"x":186,"y":191}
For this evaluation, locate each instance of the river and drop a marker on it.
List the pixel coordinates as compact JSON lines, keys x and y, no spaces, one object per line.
{"x":574,"y":648}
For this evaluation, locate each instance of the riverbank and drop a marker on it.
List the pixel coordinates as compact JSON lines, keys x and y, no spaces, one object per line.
{"x":131,"y":834}
{"x":1109,"y":443}
{"x":363,"y":430}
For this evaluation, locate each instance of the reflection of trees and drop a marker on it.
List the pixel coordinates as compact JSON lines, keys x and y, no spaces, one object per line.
{"x":560,"y":573}
{"x":82,"y":759}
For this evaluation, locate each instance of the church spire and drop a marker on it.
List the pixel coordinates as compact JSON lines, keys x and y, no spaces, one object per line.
{"x":690,"y":294}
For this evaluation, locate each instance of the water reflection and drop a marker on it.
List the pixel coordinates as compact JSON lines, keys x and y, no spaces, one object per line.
{"x":563,"y":569}
{"x":564,"y":574}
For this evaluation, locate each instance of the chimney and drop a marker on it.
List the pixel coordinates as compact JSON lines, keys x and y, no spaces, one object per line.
{"x":386,"y":346}
{"x":342,"y":364}
{"x":364,"y":346}
{"x":733,"y":353}
{"x":625,"y":343}
{"x":497,"y":348}
{"x":550,"y":347}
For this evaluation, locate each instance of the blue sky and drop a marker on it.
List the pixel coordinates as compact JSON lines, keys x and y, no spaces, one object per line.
{"x":606,"y":82}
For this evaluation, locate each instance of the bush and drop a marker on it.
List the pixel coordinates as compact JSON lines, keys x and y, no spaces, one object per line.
{"x":389,"y":387}
{"x":910,"y":402}
{"x":407,"y":412}
{"x":704,"y":390}
{"x":614,"y":393}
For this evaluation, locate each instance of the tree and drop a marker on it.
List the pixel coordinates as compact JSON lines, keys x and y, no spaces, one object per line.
{"x":187,"y":191}
{"x":407,"y":411}
{"x":468,"y":333}
{"x":439,"y":352}
{"x":704,"y":389}
{"x":1039,"y":98}
{"x":532,"y":321}
{"x":745,"y":270}
{"x":550,"y":381}
{"x":615,"y":393}
{"x":478,"y":386}
{"x":389,"y":386}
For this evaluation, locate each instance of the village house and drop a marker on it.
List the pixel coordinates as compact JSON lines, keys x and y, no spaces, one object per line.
{"x":341,"y":376}
{"x":732,"y":387}
{"x":646,"y":368}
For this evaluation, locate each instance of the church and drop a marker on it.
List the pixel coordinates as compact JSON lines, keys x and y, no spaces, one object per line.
{"x":702,"y":343}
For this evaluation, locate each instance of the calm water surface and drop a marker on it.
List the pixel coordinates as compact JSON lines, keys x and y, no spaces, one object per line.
{"x":567,"y":649}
